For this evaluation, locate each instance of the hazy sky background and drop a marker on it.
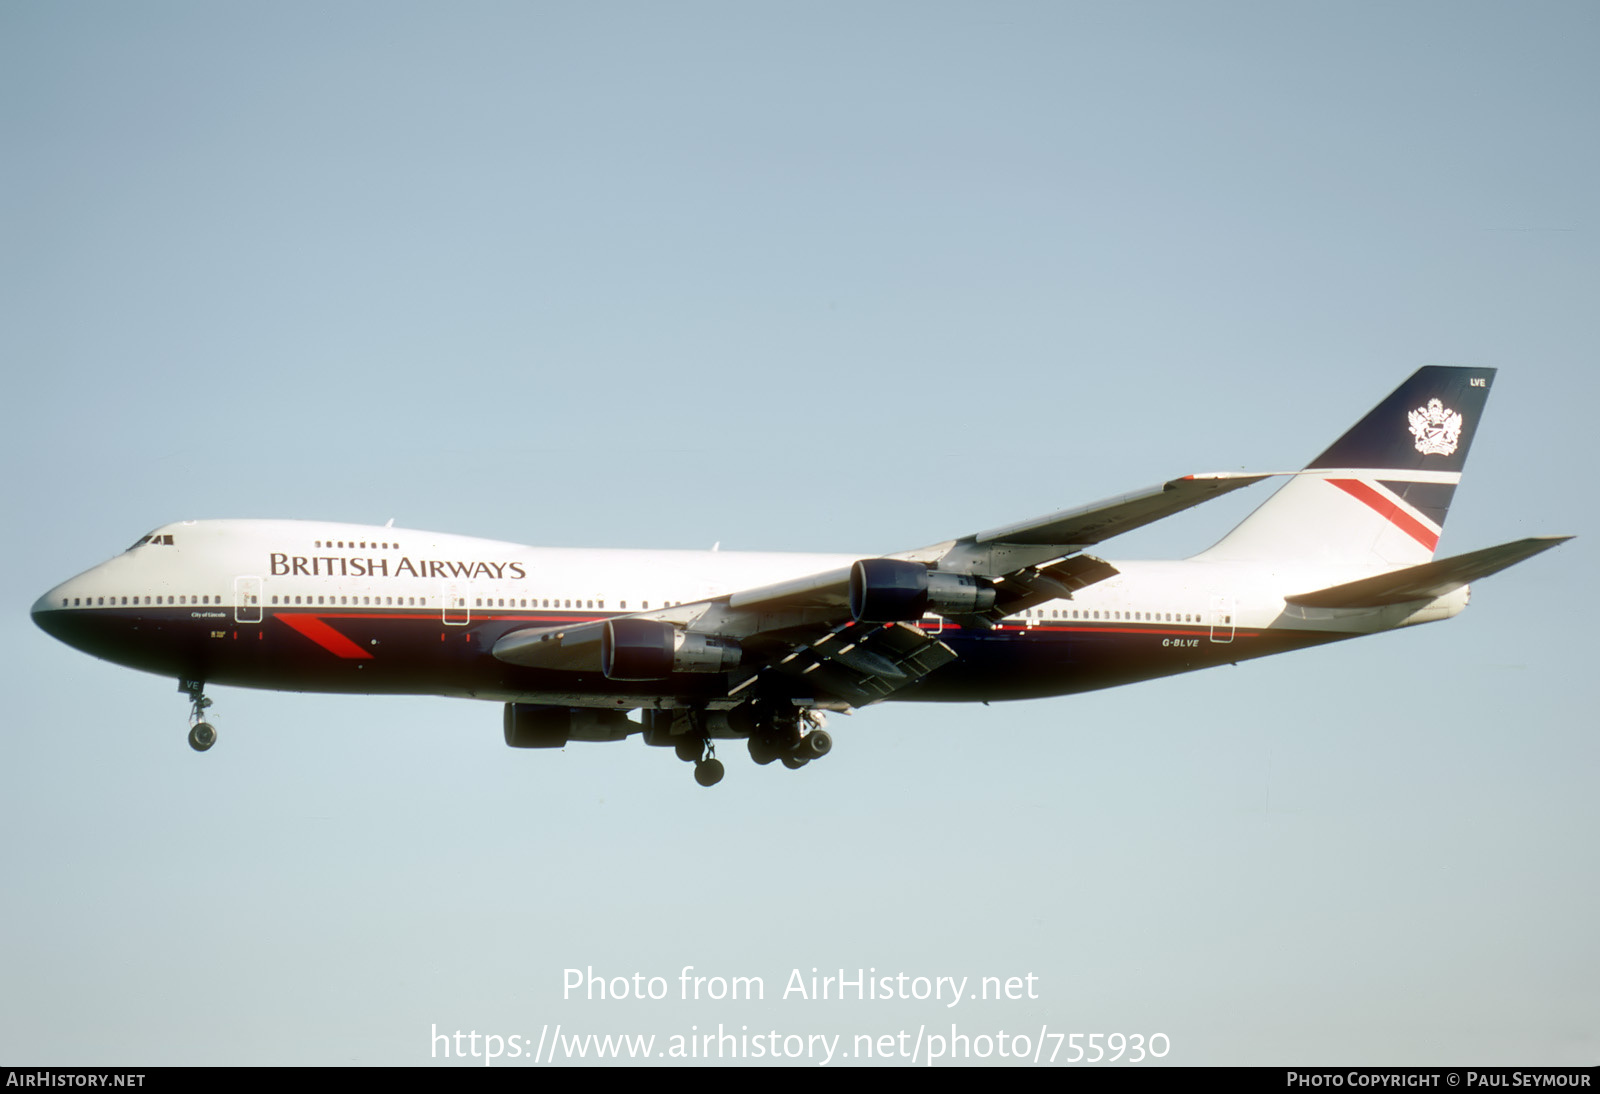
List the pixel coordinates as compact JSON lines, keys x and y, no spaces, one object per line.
{"x":825,"y":277}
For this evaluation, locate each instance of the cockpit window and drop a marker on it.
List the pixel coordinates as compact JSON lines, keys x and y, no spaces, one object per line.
{"x":152,"y":538}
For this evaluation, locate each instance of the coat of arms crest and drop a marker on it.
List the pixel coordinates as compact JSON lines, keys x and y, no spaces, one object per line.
{"x":1436,"y":428}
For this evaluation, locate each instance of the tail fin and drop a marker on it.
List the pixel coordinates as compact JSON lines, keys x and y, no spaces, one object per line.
{"x":1378,"y":496}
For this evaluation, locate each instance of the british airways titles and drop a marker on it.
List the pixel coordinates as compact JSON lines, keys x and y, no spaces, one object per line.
{"x":286,"y":565}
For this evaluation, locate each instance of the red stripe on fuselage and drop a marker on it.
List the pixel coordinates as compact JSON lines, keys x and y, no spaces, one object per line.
{"x":1389,"y":511}
{"x":323,"y":635}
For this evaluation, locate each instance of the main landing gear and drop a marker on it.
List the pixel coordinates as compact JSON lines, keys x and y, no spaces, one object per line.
{"x":708,"y":769}
{"x":795,"y":739}
{"x":202,"y":734}
{"x":695,"y":747}
{"x":774,"y":732}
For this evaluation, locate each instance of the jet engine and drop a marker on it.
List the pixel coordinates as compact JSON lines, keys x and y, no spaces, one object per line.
{"x":648,"y":649}
{"x":891,"y":590}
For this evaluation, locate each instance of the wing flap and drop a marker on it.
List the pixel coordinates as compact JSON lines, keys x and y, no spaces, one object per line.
{"x":1427,"y":581}
{"x":862,"y":665}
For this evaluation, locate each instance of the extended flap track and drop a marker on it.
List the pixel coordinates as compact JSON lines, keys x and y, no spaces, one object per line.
{"x":862,"y":665}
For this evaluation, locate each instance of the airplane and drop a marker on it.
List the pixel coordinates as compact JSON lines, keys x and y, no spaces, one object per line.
{"x":716,"y":645}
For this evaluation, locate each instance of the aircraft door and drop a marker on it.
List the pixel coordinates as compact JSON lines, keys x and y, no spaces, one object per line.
{"x":1222,"y":619}
{"x":453,"y":602}
{"x":247,"y":600}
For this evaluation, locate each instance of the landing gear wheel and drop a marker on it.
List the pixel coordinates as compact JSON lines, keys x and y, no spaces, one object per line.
{"x":202,"y":736}
{"x":816,"y":744}
{"x":690,"y":749}
{"x":763,"y":749}
{"x":708,"y":772}
{"x":793,"y":763}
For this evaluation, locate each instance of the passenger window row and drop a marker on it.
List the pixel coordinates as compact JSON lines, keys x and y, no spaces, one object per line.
{"x":356,"y":601}
{"x":126,"y":601}
{"x":536,"y":602}
{"x":371,"y":601}
{"x":513,"y":602}
{"x":1103,"y":615}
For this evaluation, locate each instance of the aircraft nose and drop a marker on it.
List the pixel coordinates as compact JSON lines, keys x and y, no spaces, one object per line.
{"x":47,"y":613}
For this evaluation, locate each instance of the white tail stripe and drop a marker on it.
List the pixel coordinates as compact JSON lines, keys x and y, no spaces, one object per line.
{"x":1368,"y":474}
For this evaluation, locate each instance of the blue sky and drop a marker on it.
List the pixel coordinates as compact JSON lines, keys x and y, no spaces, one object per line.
{"x":814,"y":277}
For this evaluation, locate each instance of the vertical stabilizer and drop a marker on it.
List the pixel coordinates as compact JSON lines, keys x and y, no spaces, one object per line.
{"x":1379,"y":495}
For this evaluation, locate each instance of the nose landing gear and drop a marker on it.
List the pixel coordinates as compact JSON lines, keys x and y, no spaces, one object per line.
{"x":202,"y":734}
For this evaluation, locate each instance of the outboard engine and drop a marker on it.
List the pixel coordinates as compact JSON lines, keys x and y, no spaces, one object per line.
{"x":891,"y":590}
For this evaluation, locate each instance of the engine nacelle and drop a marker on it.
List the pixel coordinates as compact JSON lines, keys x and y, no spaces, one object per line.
{"x":531,"y":726}
{"x":891,"y":590}
{"x":648,"y":649}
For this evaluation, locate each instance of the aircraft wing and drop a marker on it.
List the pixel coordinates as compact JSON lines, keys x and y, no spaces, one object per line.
{"x":845,"y":633}
{"x":1031,"y":542}
{"x":1028,"y":562}
{"x":1005,"y":551}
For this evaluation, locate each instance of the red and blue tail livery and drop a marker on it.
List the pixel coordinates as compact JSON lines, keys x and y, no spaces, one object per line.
{"x":686,"y":649}
{"x":1378,"y":496}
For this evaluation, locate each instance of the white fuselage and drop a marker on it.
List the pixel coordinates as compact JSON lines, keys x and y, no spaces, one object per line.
{"x":335,"y":582}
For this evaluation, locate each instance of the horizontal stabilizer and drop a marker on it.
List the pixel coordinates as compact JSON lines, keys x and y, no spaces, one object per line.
{"x":1427,"y":581}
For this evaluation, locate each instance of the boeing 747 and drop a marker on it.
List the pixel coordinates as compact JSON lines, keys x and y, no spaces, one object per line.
{"x":708,"y":646}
